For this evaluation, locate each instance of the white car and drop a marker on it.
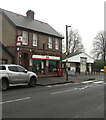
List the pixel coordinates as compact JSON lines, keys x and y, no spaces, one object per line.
{"x":16,"y":75}
{"x":102,"y":70}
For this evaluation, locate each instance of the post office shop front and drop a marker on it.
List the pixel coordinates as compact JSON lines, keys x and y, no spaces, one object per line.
{"x":43,"y":64}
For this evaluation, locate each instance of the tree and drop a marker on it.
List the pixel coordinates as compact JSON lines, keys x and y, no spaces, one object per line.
{"x":75,"y":42}
{"x":99,"y":45}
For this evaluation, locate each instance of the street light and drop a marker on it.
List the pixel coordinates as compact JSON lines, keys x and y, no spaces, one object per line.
{"x":67,"y":51}
{"x":104,"y":48}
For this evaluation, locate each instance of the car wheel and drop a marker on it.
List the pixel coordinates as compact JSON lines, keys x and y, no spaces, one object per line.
{"x":4,"y":85}
{"x":32,"y":82}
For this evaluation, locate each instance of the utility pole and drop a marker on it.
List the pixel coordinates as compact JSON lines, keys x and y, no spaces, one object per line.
{"x":67,"y":52}
{"x":104,"y":49}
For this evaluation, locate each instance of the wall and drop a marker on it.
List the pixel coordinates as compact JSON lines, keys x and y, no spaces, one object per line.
{"x":8,"y":33}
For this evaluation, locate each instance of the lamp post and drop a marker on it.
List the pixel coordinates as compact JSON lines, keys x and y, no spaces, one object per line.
{"x":67,"y":51}
{"x":104,"y":48}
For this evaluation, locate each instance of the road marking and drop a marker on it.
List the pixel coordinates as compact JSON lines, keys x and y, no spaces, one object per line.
{"x":99,"y":82}
{"x":82,"y":88}
{"x":87,"y":82}
{"x":56,"y":92}
{"x":49,"y":86}
{"x":20,"y":99}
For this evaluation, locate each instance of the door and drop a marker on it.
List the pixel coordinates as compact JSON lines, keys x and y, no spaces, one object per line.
{"x":23,"y":74}
{"x":13,"y":74}
{"x":83,"y":62}
{"x":25,"y":60}
{"x":17,"y":75}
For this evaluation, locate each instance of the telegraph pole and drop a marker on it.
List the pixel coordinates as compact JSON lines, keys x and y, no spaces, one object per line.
{"x":67,"y":52}
{"x":104,"y":49}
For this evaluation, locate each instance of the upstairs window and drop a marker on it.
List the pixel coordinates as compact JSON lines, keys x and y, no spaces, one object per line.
{"x":25,"y":38}
{"x":50,"y":43}
{"x":35,"y":38}
{"x":56,"y":44}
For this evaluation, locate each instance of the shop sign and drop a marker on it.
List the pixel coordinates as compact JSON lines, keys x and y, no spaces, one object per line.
{"x":19,"y":39}
{"x":44,"y":57}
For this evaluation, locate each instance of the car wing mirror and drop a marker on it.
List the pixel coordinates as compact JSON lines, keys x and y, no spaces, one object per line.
{"x":25,"y":71}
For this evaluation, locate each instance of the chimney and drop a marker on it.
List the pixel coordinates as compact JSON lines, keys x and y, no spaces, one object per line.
{"x":30,"y":14}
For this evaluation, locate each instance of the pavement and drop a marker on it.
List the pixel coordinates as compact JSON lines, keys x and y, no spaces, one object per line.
{"x":53,"y":80}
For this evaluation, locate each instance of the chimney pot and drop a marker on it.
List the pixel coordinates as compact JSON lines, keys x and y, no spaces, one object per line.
{"x":30,"y":14}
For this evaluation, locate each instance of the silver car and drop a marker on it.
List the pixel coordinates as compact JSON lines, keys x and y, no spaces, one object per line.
{"x":16,"y":75}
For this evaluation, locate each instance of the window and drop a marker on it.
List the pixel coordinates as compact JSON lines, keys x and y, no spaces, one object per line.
{"x":2,"y":68}
{"x":20,"y":69}
{"x":25,"y":38}
{"x":56,"y":44}
{"x":52,"y":66}
{"x":12,"y":68}
{"x":50,"y":43}
{"x":37,"y":67}
{"x":35,"y":38}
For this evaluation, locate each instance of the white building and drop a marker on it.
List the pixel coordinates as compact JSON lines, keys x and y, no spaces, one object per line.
{"x":81,"y":60}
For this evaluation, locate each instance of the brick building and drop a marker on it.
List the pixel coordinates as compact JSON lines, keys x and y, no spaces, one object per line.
{"x":35,"y":44}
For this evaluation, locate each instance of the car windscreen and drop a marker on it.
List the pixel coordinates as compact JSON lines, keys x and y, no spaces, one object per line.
{"x":2,"y":68}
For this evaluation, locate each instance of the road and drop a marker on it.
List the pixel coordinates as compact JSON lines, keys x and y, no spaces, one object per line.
{"x":84,"y":100}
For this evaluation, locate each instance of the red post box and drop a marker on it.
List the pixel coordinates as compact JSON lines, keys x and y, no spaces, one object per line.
{"x":59,"y":71}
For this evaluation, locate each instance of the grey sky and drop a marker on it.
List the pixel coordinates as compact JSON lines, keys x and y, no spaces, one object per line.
{"x":87,"y":16}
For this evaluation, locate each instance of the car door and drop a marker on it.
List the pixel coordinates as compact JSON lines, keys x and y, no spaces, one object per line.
{"x":13,"y":74}
{"x":23,"y":74}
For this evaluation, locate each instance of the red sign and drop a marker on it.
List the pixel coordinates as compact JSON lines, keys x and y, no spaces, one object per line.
{"x":19,"y":39}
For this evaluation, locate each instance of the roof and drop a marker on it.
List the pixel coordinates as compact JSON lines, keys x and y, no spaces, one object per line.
{"x":76,"y":57}
{"x":28,"y":23}
{"x":70,"y":55}
{"x":6,"y":50}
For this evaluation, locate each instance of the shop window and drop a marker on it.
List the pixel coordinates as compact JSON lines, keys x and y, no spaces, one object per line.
{"x":25,"y":38}
{"x":37,"y":66}
{"x":35,"y":38}
{"x":53,"y":65}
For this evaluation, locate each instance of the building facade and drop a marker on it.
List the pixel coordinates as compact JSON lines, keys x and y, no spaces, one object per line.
{"x":79,"y":62}
{"x":35,"y":44}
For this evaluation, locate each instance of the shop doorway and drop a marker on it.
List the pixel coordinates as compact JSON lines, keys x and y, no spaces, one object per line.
{"x":25,"y":60}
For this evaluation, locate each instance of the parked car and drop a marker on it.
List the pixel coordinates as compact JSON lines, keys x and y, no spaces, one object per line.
{"x":15,"y":75}
{"x":102,"y":70}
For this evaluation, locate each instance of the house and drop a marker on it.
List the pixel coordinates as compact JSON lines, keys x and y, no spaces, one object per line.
{"x":35,"y":44}
{"x":78,"y":60}
{"x":6,"y":57}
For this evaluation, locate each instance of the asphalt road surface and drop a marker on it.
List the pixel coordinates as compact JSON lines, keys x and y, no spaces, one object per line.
{"x":84,"y":100}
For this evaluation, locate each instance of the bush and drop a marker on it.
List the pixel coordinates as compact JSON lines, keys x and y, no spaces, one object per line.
{"x":98,"y":65}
